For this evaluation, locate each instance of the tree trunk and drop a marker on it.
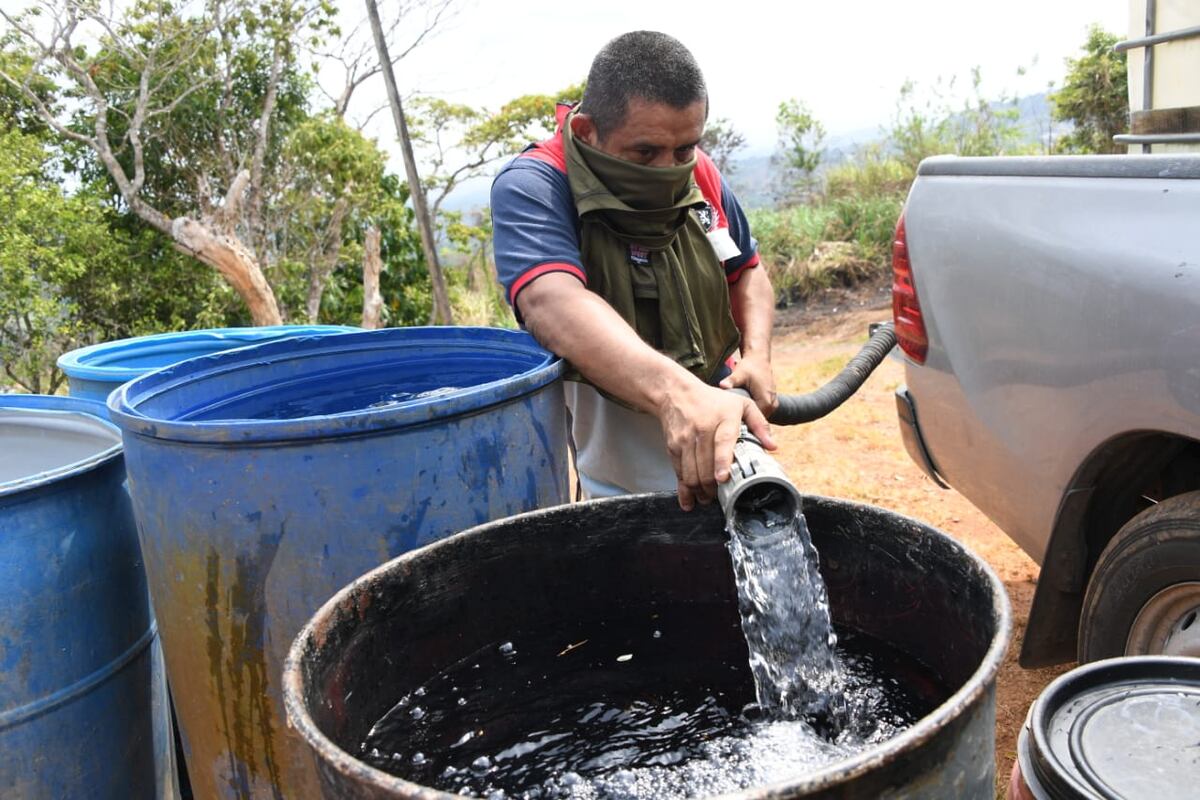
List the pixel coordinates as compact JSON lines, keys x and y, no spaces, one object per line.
{"x":324,"y":265}
{"x":441,"y":298}
{"x":236,"y":264}
{"x":372,"y":267}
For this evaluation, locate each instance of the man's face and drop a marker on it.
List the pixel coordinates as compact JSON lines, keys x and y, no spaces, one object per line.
{"x":653,"y":135}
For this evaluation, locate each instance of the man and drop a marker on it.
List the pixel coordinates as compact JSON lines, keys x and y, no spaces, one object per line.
{"x":624,"y":252}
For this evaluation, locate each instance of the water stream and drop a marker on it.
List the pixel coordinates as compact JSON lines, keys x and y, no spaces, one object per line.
{"x":786,"y":622}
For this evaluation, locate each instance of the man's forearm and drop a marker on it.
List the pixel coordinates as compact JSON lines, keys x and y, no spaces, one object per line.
{"x":753,"y":304}
{"x":579,"y":326}
{"x":700,"y":423}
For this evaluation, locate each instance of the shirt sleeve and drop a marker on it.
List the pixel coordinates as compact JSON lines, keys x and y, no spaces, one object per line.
{"x":533,"y":226}
{"x":739,"y":231}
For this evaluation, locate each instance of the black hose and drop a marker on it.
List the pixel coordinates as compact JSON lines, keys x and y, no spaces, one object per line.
{"x":795,"y":409}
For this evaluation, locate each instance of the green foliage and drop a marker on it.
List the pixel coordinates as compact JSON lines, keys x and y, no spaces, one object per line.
{"x":800,"y":148}
{"x":70,"y":274}
{"x":404,"y":282}
{"x":458,"y":142}
{"x":844,"y":233}
{"x":1094,"y":96}
{"x":721,"y":141}
{"x":839,"y":242}
{"x":39,"y":248}
{"x":979,"y":126}
{"x":872,"y":172}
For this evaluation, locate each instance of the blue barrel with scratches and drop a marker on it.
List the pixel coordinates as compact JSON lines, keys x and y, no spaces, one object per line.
{"x":266,"y":478}
{"x":79,"y":691}
{"x":94,"y":371}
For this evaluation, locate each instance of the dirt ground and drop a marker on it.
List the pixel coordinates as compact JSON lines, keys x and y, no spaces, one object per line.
{"x":856,"y":453}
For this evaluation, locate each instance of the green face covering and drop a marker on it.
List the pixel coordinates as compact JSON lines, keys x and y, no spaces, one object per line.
{"x":647,"y":254}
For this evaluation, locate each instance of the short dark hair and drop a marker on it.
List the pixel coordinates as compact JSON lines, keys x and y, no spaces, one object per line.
{"x":645,"y":64}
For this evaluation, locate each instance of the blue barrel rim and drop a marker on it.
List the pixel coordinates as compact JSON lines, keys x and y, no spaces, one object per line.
{"x":91,"y":362}
{"x":55,"y":404}
{"x":124,"y":401}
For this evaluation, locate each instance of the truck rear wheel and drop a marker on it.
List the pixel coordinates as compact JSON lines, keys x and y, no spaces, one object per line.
{"x":1144,"y":595}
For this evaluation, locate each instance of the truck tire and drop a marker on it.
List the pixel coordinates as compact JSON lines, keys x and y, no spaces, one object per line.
{"x":1143,"y":597}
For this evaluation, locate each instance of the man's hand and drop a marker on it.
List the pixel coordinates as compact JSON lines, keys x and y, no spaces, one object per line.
{"x":753,"y":373}
{"x":701,"y":425}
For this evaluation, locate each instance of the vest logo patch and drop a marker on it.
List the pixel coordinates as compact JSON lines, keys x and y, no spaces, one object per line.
{"x":707,"y":216}
{"x":639,"y":256}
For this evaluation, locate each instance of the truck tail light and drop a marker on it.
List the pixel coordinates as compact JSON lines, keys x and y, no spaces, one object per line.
{"x":906,"y":310}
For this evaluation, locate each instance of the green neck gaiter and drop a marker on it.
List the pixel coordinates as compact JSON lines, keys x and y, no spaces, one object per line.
{"x":646,"y":253}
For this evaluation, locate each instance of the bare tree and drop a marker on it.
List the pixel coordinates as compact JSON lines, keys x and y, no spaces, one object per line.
{"x":358,"y":59}
{"x":355,"y":60}
{"x":159,"y":60}
{"x":372,"y":267}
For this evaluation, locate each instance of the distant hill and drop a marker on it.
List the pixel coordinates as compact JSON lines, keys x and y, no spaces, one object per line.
{"x":752,"y":178}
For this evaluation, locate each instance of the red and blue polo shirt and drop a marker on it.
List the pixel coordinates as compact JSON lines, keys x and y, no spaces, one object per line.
{"x":535,"y":225}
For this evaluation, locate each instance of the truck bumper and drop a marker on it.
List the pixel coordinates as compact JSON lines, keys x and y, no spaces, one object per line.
{"x":910,"y":432}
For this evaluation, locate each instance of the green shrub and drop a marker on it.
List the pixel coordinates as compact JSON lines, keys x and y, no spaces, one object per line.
{"x":871,"y":173}
{"x":842,"y":241}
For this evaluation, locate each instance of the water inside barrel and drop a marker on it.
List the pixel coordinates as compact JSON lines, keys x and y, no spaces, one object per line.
{"x":660,"y":704}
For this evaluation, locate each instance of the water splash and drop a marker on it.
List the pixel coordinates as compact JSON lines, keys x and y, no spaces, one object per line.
{"x":786,"y":622}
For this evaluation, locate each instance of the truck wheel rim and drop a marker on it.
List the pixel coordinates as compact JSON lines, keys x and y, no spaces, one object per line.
{"x":1168,"y":624}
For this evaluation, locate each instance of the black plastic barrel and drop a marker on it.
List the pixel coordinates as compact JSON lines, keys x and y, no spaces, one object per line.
{"x":888,"y":576}
{"x":1119,"y":728}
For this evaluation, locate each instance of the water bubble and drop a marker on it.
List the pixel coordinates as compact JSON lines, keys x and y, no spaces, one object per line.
{"x":481,"y":765}
{"x":507,"y":649}
{"x":419,"y":691}
{"x":462,"y":701}
{"x":657,"y":634}
{"x":417,"y":712}
{"x":418,"y":758}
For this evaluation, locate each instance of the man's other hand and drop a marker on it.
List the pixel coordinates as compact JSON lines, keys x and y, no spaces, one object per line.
{"x":753,"y":373}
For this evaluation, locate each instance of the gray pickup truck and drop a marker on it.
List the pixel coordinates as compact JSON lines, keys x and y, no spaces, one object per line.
{"x":1049,"y":312}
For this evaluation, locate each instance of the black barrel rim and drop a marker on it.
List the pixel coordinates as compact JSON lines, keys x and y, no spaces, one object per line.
{"x":923,"y":730}
{"x":1041,"y":766}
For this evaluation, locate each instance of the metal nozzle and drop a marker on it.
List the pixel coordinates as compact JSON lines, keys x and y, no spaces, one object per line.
{"x":756,"y":482}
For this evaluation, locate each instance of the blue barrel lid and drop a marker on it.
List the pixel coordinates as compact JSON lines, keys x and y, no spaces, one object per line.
{"x":125,"y":359}
{"x":80,"y":429}
{"x":1122,"y":727}
{"x":328,"y":386}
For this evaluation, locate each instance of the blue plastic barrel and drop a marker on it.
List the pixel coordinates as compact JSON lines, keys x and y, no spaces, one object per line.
{"x":78,"y":691}
{"x":266,"y":478}
{"x":94,"y":371}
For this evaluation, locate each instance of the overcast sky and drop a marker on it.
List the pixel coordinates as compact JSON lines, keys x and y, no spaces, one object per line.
{"x":846,"y":60}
